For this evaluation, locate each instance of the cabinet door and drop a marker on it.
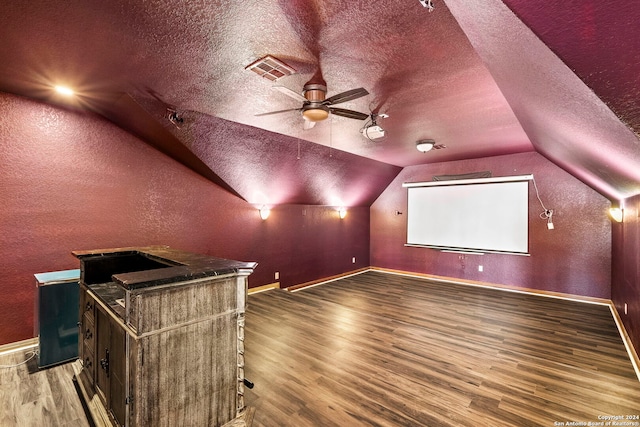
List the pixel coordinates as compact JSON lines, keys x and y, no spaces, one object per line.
{"x":117,"y":374}
{"x":86,"y":329}
{"x":103,"y":356}
{"x":110,"y":372}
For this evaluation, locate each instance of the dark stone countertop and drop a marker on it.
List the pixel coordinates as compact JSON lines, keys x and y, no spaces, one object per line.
{"x":110,"y":293}
{"x":180,"y":265}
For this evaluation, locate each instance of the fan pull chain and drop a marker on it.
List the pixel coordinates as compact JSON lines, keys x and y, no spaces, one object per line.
{"x":330,"y":135}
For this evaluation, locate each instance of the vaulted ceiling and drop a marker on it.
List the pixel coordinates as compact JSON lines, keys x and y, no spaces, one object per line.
{"x":481,"y":78}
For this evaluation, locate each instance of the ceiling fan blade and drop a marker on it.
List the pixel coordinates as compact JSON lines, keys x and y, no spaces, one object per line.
{"x":277,"y":112}
{"x":348,"y":113}
{"x":308,"y":124}
{"x":290,"y":93}
{"x":346,"y":96}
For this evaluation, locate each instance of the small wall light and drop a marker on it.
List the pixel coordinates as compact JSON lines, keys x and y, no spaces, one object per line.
{"x":617,"y":214}
{"x":264,"y":212}
{"x":342,"y":212}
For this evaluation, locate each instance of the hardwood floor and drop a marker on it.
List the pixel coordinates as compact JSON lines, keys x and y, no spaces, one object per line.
{"x":33,"y":398}
{"x":387,"y":350}
{"x":379,"y":349}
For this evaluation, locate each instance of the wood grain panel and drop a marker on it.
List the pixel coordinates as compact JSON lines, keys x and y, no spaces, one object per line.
{"x":188,"y":303}
{"x":188,"y":374}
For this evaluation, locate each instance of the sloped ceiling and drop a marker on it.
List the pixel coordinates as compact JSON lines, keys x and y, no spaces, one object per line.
{"x":477,"y":78}
{"x":564,"y":117}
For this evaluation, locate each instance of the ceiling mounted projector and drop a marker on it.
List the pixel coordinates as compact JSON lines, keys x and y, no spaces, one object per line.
{"x":372,"y":132}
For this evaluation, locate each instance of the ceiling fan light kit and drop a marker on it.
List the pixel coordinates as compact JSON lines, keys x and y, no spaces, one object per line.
{"x":315,"y":113}
{"x":314,"y":92}
{"x":316,"y":108}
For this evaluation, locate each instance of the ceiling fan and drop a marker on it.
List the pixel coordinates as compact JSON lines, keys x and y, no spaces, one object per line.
{"x":315,"y":107}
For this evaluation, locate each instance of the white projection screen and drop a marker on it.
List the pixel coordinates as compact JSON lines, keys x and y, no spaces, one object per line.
{"x":475,"y":215}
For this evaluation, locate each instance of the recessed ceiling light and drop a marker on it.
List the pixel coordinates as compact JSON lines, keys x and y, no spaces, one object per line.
{"x":64,"y":90}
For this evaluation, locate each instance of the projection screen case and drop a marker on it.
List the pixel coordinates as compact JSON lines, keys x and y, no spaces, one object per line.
{"x":470,"y":215}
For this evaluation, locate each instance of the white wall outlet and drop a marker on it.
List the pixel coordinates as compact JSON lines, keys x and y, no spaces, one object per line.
{"x":353,"y":260}
{"x":625,"y":308}
{"x":277,"y":275}
{"x":480,"y":268}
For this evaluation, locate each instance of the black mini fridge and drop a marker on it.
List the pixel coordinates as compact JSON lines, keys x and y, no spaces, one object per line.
{"x":56,"y":316}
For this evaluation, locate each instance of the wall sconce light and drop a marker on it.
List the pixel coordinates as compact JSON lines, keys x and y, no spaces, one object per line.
{"x":617,"y":214}
{"x":264,"y":212}
{"x":342,"y":212}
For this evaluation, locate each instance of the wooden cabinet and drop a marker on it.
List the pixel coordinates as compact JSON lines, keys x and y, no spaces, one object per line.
{"x":87,"y":333}
{"x":163,"y":346}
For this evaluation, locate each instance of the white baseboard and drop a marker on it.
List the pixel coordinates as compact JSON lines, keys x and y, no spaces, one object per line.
{"x":13,"y":347}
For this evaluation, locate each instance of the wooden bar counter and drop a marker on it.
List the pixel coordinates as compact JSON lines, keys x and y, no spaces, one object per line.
{"x":162,"y":337}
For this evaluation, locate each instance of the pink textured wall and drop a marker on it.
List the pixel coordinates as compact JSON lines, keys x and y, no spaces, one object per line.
{"x":625,"y":286}
{"x":72,"y":181}
{"x":573,"y":258}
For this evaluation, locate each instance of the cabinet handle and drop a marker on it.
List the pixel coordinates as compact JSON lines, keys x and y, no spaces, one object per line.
{"x":88,"y":334}
{"x":104,"y":363}
{"x":87,"y":362}
{"x":89,"y":306}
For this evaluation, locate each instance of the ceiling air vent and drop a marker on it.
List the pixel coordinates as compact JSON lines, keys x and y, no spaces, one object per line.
{"x":270,"y":68}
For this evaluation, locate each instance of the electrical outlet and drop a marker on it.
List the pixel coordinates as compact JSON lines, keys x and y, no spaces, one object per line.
{"x":353,"y":260}
{"x":277,"y":275}
{"x":480,"y":268}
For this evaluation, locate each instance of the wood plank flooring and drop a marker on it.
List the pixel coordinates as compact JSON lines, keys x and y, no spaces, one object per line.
{"x":379,"y":349}
{"x":38,"y":398}
{"x":387,"y":350}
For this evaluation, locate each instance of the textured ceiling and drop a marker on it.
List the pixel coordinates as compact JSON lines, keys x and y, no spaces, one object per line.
{"x":598,"y":41}
{"x":477,"y":78}
{"x":564,"y":118}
